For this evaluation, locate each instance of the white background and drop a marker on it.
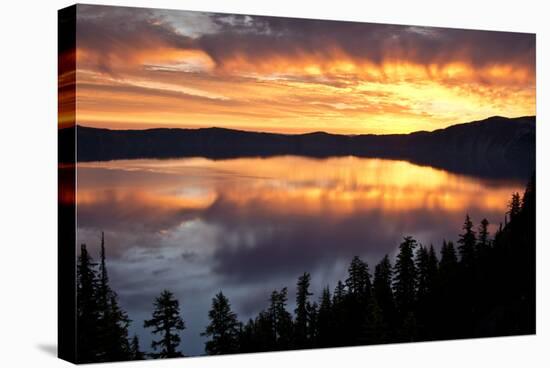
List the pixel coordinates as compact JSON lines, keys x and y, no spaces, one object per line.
{"x":28,"y":179}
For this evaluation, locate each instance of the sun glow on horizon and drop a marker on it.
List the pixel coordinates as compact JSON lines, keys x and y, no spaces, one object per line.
{"x":264,"y":76}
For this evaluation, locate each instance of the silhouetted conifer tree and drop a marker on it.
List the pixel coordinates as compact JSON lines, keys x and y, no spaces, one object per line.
{"x":103,"y":284}
{"x":281,"y":320}
{"x":113,"y":322}
{"x":167,"y":323}
{"x":467,"y":245}
{"x":303,"y":320}
{"x":422,"y":267}
{"x":482,"y":288}
{"x":135,"y":352}
{"x":427,"y":283}
{"x":312,"y":328}
{"x":339,"y":293}
{"x":325,"y":327}
{"x":88,"y":337}
{"x":339,"y":310}
{"x":466,"y":292}
{"x":483,"y":240}
{"x":223,"y":329}
{"x":357,"y":302}
{"x":517,"y":248}
{"x":358,"y":281}
{"x":447,"y":303}
{"x":115,"y":332}
{"x":382,"y":285}
{"x":514,"y":206}
{"x":404,"y":286}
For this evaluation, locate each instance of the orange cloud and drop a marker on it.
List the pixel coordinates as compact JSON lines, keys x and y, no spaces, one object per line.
{"x":287,"y":75}
{"x":66,"y":89}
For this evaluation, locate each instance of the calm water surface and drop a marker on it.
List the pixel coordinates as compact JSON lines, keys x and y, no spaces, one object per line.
{"x":246,"y":226}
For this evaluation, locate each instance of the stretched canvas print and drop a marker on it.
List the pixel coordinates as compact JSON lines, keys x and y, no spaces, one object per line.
{"x":239,"y":183}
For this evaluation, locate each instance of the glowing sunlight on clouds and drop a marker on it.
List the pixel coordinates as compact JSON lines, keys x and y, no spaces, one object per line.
{"x":186,"y":69}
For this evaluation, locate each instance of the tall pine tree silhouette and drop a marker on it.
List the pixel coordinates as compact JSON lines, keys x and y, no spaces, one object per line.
{"x":339,"y":308}
{"x":113,"y":322}
{"x":383,"y":293}
{"x":281,"y":320}
{"x":167,"y":323}
{"x":223,"y":329}
{"x":357,"y":301}
{"x":303,"y":313}
{"x":467,"y":245}
{"x":325,"y":321}
{"x":514,"y":207}
{"x":483,"y":236}
{"x":88,"y":336}
{"x":467,"y":293}
{"x":427,"y":273}
{"x":404,"y":286}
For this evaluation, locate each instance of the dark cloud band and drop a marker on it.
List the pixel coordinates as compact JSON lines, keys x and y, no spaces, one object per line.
{"x":108,"y":31}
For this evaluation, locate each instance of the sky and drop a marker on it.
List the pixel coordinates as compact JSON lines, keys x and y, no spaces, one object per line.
{"x":143,"y":68}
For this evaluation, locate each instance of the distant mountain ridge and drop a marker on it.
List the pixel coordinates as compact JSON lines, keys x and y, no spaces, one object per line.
{"x":494,"y":147}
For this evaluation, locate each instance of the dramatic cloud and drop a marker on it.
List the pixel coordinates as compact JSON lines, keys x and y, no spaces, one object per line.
{"x":141,"y":67}
{"x":128,"y":31}
{"x":262,"y":38}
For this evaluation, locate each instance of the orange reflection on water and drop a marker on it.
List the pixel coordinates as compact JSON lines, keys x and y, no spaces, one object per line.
{"x":334,"y":187}
{"x":146,"y":198}
{"x":346,"y":185}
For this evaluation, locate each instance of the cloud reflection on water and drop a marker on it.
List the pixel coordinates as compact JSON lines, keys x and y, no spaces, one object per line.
{"x":245,"y":225}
